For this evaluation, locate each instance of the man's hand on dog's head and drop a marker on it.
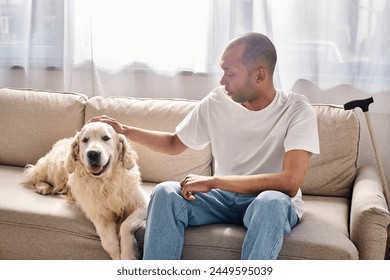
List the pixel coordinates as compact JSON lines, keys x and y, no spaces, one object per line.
{"x":118,"y":127}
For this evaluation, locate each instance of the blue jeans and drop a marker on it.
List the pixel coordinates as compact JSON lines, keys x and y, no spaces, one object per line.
{"x":267,"y":218}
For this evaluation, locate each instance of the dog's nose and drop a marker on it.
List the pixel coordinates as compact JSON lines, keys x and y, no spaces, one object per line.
{"x":93,"y":155}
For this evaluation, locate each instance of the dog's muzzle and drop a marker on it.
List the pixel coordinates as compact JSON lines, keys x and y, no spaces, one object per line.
{"x":96,"y":168}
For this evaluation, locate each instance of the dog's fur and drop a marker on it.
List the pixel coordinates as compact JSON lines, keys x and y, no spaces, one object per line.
{"x":97,"y":168}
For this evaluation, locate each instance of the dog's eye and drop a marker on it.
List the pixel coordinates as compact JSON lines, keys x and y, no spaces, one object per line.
{"x":85,"y":140}
{"x":106,"y":138}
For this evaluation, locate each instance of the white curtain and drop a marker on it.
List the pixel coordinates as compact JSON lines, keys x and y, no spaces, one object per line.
{"x":171,"y":48}
{"x":168,"y":35}
{"x":330,"y":42}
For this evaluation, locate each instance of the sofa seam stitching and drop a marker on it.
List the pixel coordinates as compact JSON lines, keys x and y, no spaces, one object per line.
{"x":49,"y":229}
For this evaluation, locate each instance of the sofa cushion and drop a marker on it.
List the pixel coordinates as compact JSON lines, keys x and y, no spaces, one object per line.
{"x":155,"y":114}
{"x":34,"y":226}
{"x":333,"y":171}
{"x":52,"y":228}
{"x":32,"y":121}
{"x":321,"y":234}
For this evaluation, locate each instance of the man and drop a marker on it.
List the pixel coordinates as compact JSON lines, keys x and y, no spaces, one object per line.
{"x":262,"y":140}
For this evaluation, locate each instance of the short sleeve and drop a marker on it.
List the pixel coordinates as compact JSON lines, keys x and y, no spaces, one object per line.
{"x":302,"y":133}
{"x":193,"y":130}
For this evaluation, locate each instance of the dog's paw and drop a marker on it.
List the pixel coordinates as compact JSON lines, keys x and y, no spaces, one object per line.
{"x":43,"y":188}
{"x":131,"y":252}
{"x":135,"y":256}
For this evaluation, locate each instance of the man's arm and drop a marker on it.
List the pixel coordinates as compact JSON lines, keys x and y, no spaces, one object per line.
{"x":163,"y":142}
{"x":288,"y":181}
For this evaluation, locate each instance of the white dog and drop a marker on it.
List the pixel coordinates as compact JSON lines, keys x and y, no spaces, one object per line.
{"x":97,"y":168}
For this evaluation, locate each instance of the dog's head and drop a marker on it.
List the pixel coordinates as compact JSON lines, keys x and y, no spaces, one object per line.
{"x":99,"y":149}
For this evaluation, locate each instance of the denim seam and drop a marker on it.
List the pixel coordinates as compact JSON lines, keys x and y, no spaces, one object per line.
{"x":180,"y":211}
{"x":178,"y":250}
{"x":282,"y":234}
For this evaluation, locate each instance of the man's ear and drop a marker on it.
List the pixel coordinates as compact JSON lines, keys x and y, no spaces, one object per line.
{"x":73,"y":155}
{"x":126,"y":153}
{"x":261,"y":74}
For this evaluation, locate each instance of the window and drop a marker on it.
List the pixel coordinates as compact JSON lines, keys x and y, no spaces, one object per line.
{"x":328,"y":42}
{"x":31,"y":32}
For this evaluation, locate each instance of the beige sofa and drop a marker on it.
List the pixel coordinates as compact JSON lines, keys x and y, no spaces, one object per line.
{"x":346,"y":214}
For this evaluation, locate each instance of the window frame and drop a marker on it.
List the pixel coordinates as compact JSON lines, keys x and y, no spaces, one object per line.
{"x":17,"y":55}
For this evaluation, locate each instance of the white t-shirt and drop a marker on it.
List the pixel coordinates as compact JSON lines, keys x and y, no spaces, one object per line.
{"x":246,"y":142}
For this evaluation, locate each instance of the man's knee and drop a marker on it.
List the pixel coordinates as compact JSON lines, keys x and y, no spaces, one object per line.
{"x":165,"y":193}
{"x":166,"y":189}
{"x":272,"y":199}
{"x":268,"y":204}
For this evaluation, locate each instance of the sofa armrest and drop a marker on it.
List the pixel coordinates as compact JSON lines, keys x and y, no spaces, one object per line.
{"x":370,"y":216}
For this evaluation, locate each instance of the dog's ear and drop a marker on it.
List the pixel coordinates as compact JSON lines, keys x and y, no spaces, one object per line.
{"x":127,"y":153}
{"x":73,"y":155}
